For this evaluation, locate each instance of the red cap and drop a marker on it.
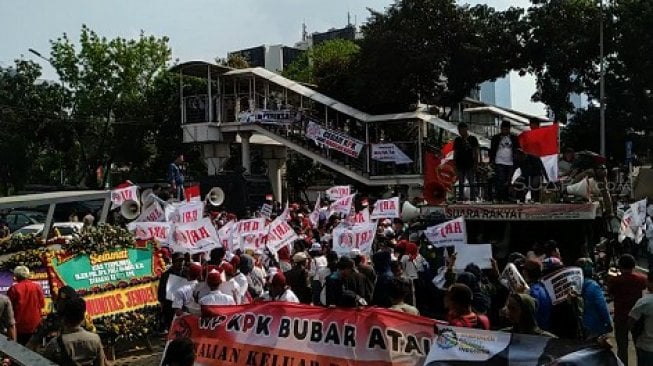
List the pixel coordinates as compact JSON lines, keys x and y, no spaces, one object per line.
{"x":194,"y":270}
{"x":227,"y":268}
{"x":213,"y":279}
{"x":235,"y":261}
{"x":279,"y":280}
{"x":284,"y":253}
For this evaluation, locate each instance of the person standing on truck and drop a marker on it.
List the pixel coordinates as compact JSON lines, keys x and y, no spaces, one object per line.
{"x":176,"y":177}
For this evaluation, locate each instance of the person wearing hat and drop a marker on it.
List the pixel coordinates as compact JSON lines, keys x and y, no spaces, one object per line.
{"x":532,"y":171}
{"x":346,"y":287}
{"x":229,"y":286}
{"x":297,"y":278}
{"x":365,"y":269}
{"x":215,"y":296}
{"x":318,"y":263}
{"x":27,"y":300}
{"x":466,"y":159}
{"x":239,"y":278}
{"x":176,"y":269}
{"x":503,"y":148}
{"x":184,"y":300}
{"x":279,"y":290}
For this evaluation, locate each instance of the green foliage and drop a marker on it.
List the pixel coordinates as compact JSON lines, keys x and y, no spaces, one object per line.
{"x":234,"y":60}
{"x":100,"y":239}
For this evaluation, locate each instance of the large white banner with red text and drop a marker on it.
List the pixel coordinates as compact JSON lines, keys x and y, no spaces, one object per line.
{"x":358,"y":237}
{"x":195,"y":236}
{"x":448,"y":233}
{"x":386,"y":209}
{"x":334,"y":140}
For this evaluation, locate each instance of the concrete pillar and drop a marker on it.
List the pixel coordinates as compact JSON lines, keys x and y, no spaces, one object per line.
{"x":236,"y":108}
{"x":245,"y":150}
{"x":275,"y":158}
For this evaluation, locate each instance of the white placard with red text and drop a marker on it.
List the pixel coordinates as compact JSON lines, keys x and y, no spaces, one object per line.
{"x":386,"y":209}
{"x":448,"y":233}
{"x":225,"y":235}
{"x":119,"y":196}
{"x":190,"y":212}
{"x":361,"y":217}
{"x":280,"y":234}
{"x":314,"y":216}
{"x":195,"y":236}
{"x":159,"y":231}
{"x":153,"y":213}
{"x":343,"y":205}
{"x":338,"y":192}
{"x":358,"y":237}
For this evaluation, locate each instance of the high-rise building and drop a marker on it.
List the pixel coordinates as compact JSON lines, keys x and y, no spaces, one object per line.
{"x":272,"y":57}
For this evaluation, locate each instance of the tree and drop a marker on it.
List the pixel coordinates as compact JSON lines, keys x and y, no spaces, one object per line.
{"x":234,"y":60}
{"x":109,"y":81}
{"x":30,"y":116}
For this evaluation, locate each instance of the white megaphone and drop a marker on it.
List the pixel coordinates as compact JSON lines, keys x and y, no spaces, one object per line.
{"x":409,"y":212}
{"x":215,"y":197}
{"x":130,"y":209}
{"x":146,"y":199}
{"x":585,"y":188}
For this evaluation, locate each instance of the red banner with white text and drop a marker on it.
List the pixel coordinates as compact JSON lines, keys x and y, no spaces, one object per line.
{"x":295,"y":334}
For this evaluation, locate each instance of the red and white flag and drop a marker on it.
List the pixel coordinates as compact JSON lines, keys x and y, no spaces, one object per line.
{"x":543,"y":142}
{"x":343,"y":205}
{"x":192,"y":193}
{"x":314,"y":217}
{"x":338,"y":192}
{"x":447,"y":152}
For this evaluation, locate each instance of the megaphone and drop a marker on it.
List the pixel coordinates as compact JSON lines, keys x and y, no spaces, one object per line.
{"x":585,"y":188}
{"x":130,"y":209}
{"x":215,"y":197}
{"x":409,"y":212}
{"x":146,"y":199}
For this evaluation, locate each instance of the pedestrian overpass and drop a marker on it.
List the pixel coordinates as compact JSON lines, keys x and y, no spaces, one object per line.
{"x":257,"y":106}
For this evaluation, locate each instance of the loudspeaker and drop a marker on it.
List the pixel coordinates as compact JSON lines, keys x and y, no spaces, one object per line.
{"x":130,"y":209}
{"x":215,"y":197}
{"x":585,"y":188}
{"x":409,"y":212}
{"x":146,"y":199}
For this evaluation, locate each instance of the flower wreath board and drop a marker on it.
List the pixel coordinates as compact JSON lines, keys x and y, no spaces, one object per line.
{"x":114,"y":281}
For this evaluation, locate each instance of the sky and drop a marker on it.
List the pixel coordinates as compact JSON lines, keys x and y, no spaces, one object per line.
{"x":198,"y":29}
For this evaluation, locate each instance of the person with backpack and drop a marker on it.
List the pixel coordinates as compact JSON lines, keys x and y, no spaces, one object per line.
{"x":458,"y":301}
{"x":596,"y":316}
{"x":640,"y":323}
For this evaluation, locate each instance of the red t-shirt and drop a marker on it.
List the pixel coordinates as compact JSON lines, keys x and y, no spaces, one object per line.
{"x":471,"y":320}
{"x":626,"y":289}
{"x":27,"y":301}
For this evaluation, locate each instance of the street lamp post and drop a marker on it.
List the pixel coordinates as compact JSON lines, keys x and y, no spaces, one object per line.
{"x":601,"y":83}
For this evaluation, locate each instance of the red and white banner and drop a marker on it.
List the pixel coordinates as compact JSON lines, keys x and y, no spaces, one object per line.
{"x":159,"y":231}
{"x":358,"y":237}
{"x":334,"y":140}
{"x":250,"y":234}
{"x":153,"y":213}
{"x":250,"y":226}
{"x":389,"y":153}
{"x":120,"y":195}
{"x":280,"y":234}
{"x":360,"y":218}
{"x":337,"y":192}
{"x":447,"y":234}
{"x":192,"y":193}
{"x":225,"y":235}
{"x":543,"y":143}
{"x":386,"y":209}
{"x":343,"y":205}
{"x":314,"y":217}
{"x":189,"y":212}
{"x":277,"y":333}
{"x":195,"y":236}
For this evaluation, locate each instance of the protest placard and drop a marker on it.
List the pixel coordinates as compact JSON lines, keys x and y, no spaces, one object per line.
{"x":152,"y":213}
{"x":448,"y":233}
{"x":560,"y":283}
{"x":358,"y":237}
{"x":479,"y":254}
{"x":512,"y":279}
{"x":343,"y":205}
{"x":361,"y":217}
{"x":334,"y":140}
{"x":190,"y":212}
{"x":389,"y":153}
{"x":174,"y":283}
{"x":159,"y":231}
{"x":386,"y":209}
{"x":266,"y":210}
{"x":337,"y":192}
{"x":120,"y":195}
{"x":280,"y":234}
{"x":314,"y":217}
{"x":195,"y":236}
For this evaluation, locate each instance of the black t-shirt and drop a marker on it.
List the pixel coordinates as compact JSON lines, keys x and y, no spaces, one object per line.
{"x":464,"y":151}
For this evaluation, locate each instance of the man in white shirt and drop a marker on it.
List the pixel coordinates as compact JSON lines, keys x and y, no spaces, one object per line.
{"x":502,"y":149}
{"x":279,"y":291}
{"x":184,"y":300}
{"x":643,"y":333}
{"x":215,"y":297}
{"x":230,"y":287}
{"x":317,"y":263}
{"x":239,"y":278}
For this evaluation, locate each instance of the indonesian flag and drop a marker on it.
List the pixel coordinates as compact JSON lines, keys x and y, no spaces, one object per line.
{"x":543,"y":142}
{"x":447,"y":152}
{"x":192,"y":193}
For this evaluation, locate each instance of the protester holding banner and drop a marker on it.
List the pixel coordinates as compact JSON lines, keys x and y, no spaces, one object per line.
{"x":279,"y":290}
{"x":167,"y":313}
{"x":215,"y":296}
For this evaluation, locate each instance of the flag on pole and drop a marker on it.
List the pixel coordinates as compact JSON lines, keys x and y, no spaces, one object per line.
{"x":543,"y":143}
{"x":192,"y":193}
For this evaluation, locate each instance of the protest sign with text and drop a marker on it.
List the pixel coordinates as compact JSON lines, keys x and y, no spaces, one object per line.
{"x":358,"y":237}
{"x":159,"y":231}
{"x":334,"y":140}
{"x":314,"y":216}
{"x":152,"y":213}
{"x":479,"y":254}
{"x":386,"y":209}
{"x":447,"y":234}
{"x":512,"y":279}
{"x":195,"y":236}
{"x":305,"y":335}
{"x":119,"y":196}
{"x":560,"y":283}
{"x":280,"y":234}
{"x":338,"y":192}
{"x":225,"y":235}
{"x":389,"y":153}
{"x":190,"y":212}
{"x":343,"y":205}
{"x":361,"y":217}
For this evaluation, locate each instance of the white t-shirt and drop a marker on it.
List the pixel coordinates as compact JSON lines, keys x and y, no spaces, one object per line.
{"x":184,"y":297}
{"x":201,"y":290}
{"x":287,"y":296}
{"x":231,"y":288}
{"x":412,"y":267}
{"x":241,"y":280}
{"x":217,"y":298}
{"x":504,"y":151}
{"x":316,"y":264}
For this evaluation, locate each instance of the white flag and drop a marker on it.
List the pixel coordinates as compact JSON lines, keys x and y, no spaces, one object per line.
{"x":153,"y":213}
{"x":448,"y":233}
{"x":386,"y":209}
{"x":338,"y":192}
{"x":280,"y":234}
{"x":119,"y":196}
{"x":159,"y":231}
{"x":314,"y":217}
{"x":195,"y":236}
{"x":343,"y":205}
